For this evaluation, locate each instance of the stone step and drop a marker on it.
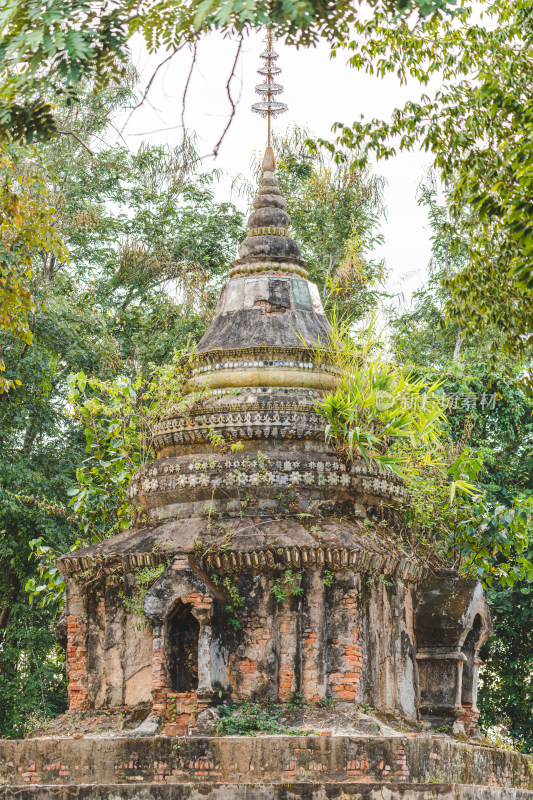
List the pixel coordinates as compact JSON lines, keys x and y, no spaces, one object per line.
{"x":260,"y":791}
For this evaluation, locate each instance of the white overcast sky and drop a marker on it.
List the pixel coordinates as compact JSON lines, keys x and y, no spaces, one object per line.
{"x":319,"y":91}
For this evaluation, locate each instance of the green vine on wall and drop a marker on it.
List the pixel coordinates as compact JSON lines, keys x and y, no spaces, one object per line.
{"x":234,"y":599}
{"x":288,"y":585}
{"x":145,"y":577}
{"x":328,"y":577}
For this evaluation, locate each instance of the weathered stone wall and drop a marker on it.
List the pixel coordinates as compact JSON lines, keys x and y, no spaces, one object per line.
{"x":344,"y":635}
{"x":264,"y":760}
{"x":351,"y":640}
{"x":388,"y":678}
{"x":109,"y":651}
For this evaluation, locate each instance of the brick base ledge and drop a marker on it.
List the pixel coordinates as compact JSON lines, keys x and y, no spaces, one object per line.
{"x":265,"y":759}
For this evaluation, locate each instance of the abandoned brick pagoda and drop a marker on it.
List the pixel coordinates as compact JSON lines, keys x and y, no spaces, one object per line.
{"x":277,"y":580}
{"x":266,"y":572}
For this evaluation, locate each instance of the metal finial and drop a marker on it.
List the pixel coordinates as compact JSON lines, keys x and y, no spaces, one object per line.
{"x":269,"y":107}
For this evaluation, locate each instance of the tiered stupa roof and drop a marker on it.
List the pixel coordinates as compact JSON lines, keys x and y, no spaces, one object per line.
{"x":261,"y":367}
{"x":254,"y":381}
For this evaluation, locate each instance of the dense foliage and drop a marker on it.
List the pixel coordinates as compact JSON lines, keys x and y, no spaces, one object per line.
{"x":477,"y":125}
{"x":490,"y":413}
{"x":147,"y":244}
{"x":379,"y":411}
{"x":50,"y":50}
{"x":26,"y":228}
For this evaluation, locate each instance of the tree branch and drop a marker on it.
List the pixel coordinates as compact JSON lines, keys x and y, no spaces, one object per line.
{"x":458,"y":343}
{"x":75,"y":136}
{"x":230,"y":98}
{"x":186,"y":89}
{"x":13,"y":588}
{"x":150,"y":82}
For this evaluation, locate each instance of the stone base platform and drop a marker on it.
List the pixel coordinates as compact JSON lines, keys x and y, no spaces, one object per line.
{"x":293,"y":791}
{"x":311,"y":767}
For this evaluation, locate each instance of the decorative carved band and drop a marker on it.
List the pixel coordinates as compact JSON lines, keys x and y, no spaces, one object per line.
{"x":264,"y":391}
{"x":268,"y":231}
{"x":260,"y":352}
{"x":270,"y":559}
{"x":259,"y":364}
{"x":218,"y":414}
{"x":265,"y":424}
{"x":280,"y":473}
{"x":236,"y":478}
{"x":268,"y":268}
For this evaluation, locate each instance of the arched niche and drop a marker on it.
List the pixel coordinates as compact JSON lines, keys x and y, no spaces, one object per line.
{"x":452,"y":621}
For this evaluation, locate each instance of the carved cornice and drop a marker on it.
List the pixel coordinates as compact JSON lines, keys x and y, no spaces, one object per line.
{"x":318,"y":356}
{"x":268,"y":268}
{"x":268,"y":231}
{"x":269,"y":559}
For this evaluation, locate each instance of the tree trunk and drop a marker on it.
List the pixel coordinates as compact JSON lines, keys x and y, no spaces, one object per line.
{"x":29,"y":437}
{"x":13,"y":584}
{"x":458,"y":343}
{"x":325,"y":287}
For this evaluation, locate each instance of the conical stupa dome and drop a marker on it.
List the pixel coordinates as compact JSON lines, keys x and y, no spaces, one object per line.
{"x":261,"y":367}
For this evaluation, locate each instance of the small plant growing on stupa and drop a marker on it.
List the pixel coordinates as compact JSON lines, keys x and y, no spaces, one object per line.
{"x":289,"y":584}
{"x":380,"y":412}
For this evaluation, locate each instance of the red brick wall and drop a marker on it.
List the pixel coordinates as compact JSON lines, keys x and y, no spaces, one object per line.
{"x":313,"y":646}
{"x":469,"y":717}
{"x":77,"y":655}
{"x":288,"y":647}
{"x":77,"y":660}
{"x":247,"y":670}
{"x":254,"y":648}
{"x":344,"y":644}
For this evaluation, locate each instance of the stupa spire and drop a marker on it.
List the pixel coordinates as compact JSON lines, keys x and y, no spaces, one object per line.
{"x":268,"y":235}
{"x":269,"y":107}
{"x":268,"y":245}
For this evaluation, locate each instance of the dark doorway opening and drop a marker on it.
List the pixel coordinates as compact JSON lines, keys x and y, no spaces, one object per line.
{"x":183,"y":633}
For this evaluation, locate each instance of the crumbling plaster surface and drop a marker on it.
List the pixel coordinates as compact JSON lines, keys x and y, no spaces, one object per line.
{"x":389,"y":676}
{"x":250,"y":327}
{"x":115,"y":663}
{"x":347,"y":636}
{"x":445,"y":616}
{"x":349,"y":641}
{"x":449,"y":609}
